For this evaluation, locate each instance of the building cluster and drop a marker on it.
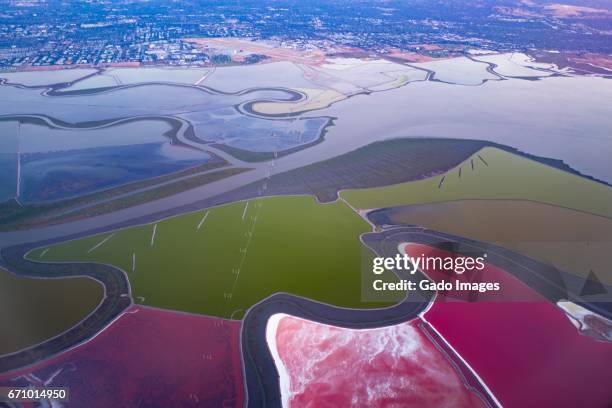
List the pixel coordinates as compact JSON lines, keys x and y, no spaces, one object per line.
{"x":42,"y":33}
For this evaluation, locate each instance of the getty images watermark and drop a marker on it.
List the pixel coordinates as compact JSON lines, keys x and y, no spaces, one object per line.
{"x":427,"y":272}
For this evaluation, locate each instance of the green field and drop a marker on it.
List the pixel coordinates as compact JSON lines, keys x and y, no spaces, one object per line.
{"x":237,"y":257}
{"x":493,"y":174}
{"x":33,"y":310}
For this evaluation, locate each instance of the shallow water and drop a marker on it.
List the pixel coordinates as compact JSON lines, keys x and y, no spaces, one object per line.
{"x":8,"y":176}
{"x":52,"y":176}
{"x":37,"y":138}
{"x":124,"y":102}
{"x":254,"y":134}
{"x":41,"y":78}
{"x":560,"y":118}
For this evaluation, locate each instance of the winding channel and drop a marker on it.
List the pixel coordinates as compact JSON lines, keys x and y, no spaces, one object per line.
{"x":260,"y":371}
{"x":261,"y":377}
{"x":117,"y":297}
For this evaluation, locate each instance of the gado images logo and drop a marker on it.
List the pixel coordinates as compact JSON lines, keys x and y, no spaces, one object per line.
{"x":406,"y":262}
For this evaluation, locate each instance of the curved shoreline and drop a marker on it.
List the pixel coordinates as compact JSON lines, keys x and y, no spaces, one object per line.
{"x":260,"y":373}
{"x":551,"y":283}
{"x":117,"y":298}
{"x":182,"y":132}
{"x":55,"y":91}
{"x":261,"y":376}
